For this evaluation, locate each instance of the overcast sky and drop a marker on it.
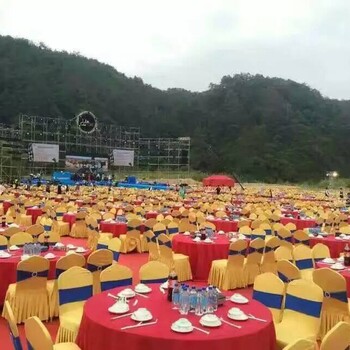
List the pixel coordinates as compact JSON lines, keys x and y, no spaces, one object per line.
{"x":191,"y":43}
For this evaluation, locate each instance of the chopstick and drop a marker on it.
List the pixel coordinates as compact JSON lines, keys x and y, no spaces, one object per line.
{"x":230,"y":324}
{"x":201,"y":330}
{"x":112,"y":296}
{"x":140,"y":325}
{"x":116,"y":317}
{"x":256,"y":318}
{"x":141,"y":295}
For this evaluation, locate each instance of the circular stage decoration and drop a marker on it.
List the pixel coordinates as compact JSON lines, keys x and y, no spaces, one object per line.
{"x":86,"y":122}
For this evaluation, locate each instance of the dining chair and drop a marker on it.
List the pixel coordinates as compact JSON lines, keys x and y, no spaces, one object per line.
{"x":337,"y":338}
{"x":268,"y":262}
{"x":114,"y":245}
{"x":115,"y":276}
{"x":153,"y":272}
{"x":252,"y":262}
{"x":75,"y":286}
{"x":287,"y":271}
{"x":14,"y":333}
{"x":303,"y":261}
{"x":335,"y":306}
{"x":319,"y":252}
{"x":302,"y":344}
{"x":302,"y":313}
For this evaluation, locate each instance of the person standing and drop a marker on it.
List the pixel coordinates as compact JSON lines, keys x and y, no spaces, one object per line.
{"x":59,"y":189}
{"x":341,"y":193}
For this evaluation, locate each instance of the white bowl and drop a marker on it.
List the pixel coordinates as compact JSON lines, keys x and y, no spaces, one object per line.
{"x":221,"y":232}
{"x":210,"y":320}
{"x":183,"y":324}
{"x":141,"y":314}
{"x":239,"y":299}
{"x":127,"y":292}
{"x":81,"y":250}
{"x":237,"y":314}
{"x":187,"y":233}
{"x":50,"y":256}
{"x":338,"y":266}
{"x":119,"y":308}
{"x":142,"y":288}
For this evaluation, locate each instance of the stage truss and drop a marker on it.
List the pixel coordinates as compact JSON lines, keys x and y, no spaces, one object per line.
{"x":168,"y":154}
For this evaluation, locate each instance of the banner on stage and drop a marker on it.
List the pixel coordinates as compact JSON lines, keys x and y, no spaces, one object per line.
{"x":123,"y":157}
{"x":94,"y":163}
{"x":45,"y":153}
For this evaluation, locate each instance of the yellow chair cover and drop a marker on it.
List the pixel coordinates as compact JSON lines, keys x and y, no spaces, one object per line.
{"x":287,"y":271}
{"x":302,"y":344}
{"x":79,"y":228}
{"x":283,"y":253}
{"x":154,"y":272}
{"x":115,"y":276}
{"x":268,"y":263}
{"x":251,"y":267}
{"x":337,"y":338}
{"x":303,"y":261}
{"x":75,"y":286}
{"x":153,"y":249}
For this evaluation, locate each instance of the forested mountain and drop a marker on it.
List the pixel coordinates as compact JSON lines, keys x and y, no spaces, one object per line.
{"x":261,"y":128}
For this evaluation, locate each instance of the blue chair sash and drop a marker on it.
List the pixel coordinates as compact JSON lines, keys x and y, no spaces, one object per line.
{"x":268,"y":299}
{"x":94,"y":268}
{"x":237,"y":252}
{"x":24,"y":275}
{"x":173,"y":230}
{"x":306,"y":241}
{"x":167,"y":244}
{"x":157,"y":233}
{"x":114,"y":284}
{"x":58,"y":272}
{"x":72,"y":295}
{"x":341,"y":296}
{"x":154,"y":239}
{"x":287,"y":239}
{"x":59,"y":214}
{"x":47,"y":228}
{"x":268,"y":232}
{"x":256,"y":250}
{"x":16,"y":341}
{"x":314,"y":230}
{"x":304,"y":306}
{"x":318,"y":259}
{"x":157,"y":280}
{"x":283,"y":277}
{"x":253,"y":236}
{"x":115,"y":255}
{"x":268,"y":249}
{"x":304,"y":264}
{"x":102,"y":246}
{"x":130,"y":228}
{"x":29,"y":346}
{"x":3,"y":247}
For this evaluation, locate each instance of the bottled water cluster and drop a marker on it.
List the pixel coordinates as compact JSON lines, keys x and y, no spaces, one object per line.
{"x":197,"y":300}
{"x":32,"y":249}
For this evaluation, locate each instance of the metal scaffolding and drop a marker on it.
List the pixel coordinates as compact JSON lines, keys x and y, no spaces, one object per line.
{"x":150,"y":153}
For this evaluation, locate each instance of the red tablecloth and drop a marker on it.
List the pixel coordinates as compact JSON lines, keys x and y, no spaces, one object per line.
{"x":6,"y":205}
{"x":98,"y":332}
{"x":8,"y":269}
{"x":299,"y":223}
{"x":34,"y":212}
{"x":151,"y":215}
{"x":201,"y":254}
{"x":336,"y":246}
{"x":225,"y":225}
{"x":70,"y":218}
{"x":116,"y":228}
{"x":345,"y":273}
{"x":79,"y":202}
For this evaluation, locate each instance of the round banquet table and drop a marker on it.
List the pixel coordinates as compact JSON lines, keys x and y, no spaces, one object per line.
{"x":70,"y":218}
{"x":345,"y":273}
{"x":225,"y":225}
{"x":151,"y":215}
{"x":201,"y":254}
{"x":299,"y":223}
{"x":98,"y":331}
{"x":335,"y":245}
{"x":116,"y":228}
{"x":8,"y":268}
{"x":6,"y":205}
{"x":35,"y":213}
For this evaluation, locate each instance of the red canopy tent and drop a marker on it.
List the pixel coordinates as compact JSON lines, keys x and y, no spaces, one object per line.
{"x":219,"y":180}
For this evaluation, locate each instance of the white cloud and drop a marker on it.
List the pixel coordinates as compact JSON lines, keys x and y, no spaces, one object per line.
{"x":191,"y":43}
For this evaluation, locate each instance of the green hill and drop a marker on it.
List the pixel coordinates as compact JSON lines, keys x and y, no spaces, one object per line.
{"x":266,"y":129}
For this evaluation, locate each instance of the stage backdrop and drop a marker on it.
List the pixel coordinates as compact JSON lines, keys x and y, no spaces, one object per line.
{"x":77,"y":162}
{"x":45,"y":153}
{"x":123,"y":157}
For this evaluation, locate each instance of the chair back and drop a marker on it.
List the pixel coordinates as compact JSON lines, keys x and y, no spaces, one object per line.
{"x":283,"y":253}
{"x":287,"y":271}
{"x":284,"y":234}
{"x":75,"y":286}
{"x":172,"y":229}
{"x":102,"y":242}
{"x":258,"y":233}
{"x":11,"y":231}
{"x":99,"y":260}
{"x":149,"y":224}
{"x":302,"y":344}
{"x":35,"y":230}
{"x":38,"y":337}
{"x":3,"y":242}
{"x":66,"y":262}
{"x":152,"y":245}
{"x":303,"y":302}
{"x":302,"y":257}
{"x":134,"y":224}
{"x":269,"y":290}
{"x":237,"y":253}
{"x":32,"y":274}
{"x":291,"y":227}
{"x":20,"y":239}
{"x":115,"y":276}
{"x":108,"y":215}
{"x":114,"y":245}
{"x":52,"y":238}
{"x":14,"y":334}
{"x":337,"y":338}
{"x":269,"y":253}
{"x":159,"y":229}
{"x":267,"y":228}
{"x":165,"y":249}
{"x":245,"y":230}
{"x":154,"y":272}
{"x":255,"y":251}
{"x":301,"y":237}
{"x":319,"y":252}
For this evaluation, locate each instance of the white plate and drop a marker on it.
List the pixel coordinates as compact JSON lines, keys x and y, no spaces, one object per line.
{"x":81,"y":250}
{"x":143,"y":291}
{"x":243,"y":317}
{"x":131,"y":295}
{"x":13,"y":248}
{"x":51,"y":256}
{"x":328,"y":261}
{"x":211,"y":325}
{"x":148,"y":318}
{"x":240,"y":300}
{"x":337,"y":268}
{"x":112,"y":311}
{"x":181,"y":330}
{"x":5,"y":256}
{"x":164,"y":285}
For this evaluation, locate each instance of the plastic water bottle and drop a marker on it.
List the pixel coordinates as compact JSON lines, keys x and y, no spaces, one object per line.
{"x":199,"y":310}
{"x":211,"y":297}
{"x":204,"y":300}
{"x":193,"y":299}
{"x":184,"y":301}
{"x":176,"y":295}
{"x":25,"y":249}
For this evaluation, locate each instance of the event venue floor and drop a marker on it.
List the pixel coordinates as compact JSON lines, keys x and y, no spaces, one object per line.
{"x":133,"y":261}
